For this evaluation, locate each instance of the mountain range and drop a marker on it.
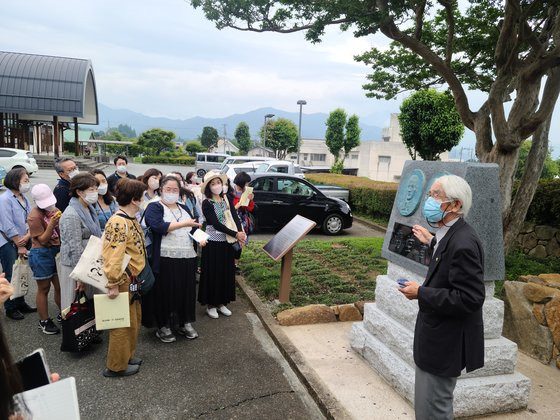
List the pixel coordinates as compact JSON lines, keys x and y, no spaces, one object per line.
{"x":312,"y":125}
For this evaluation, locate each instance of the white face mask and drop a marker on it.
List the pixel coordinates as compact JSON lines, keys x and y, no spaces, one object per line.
{"x":216,"y":189}
{"x":23,"y":188}
{"x":225,"y":189}
{"x":153,"y":184}
{"x":170,"y":198}
{"x":91,"y":197}
{"x":102,"y":189}
{"x":50,"y":208}
{"x":73,"y":173}
{"x":121,"y":169}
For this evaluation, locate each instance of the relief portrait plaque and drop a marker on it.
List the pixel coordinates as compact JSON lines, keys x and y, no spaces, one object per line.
{"x":410,"y":192}
{"x":403,"y":242}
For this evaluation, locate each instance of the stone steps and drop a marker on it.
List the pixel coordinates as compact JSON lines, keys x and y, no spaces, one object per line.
{"x":472,"y":396}
{"x":47,"y":162}
{"x":500,"y":353}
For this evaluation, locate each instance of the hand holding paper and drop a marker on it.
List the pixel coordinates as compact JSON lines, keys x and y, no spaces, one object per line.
{"x":199,"y":236}
{"x":112,"y":313}
{"x":245,"y":197}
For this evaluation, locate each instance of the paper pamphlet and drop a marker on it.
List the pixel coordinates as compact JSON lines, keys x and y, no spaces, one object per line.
{"x":111,"y":313}
{"x":244,"y":200}
{"x":58,"y":400}
{"x":199,"y":235}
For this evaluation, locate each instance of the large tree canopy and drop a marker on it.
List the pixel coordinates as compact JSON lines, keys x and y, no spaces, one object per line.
{"x":157,"y":140}
{"x":430,"y":124}
{"x":243,"y":137}
{"x":509,"y":49}
{"x":281,"y":136}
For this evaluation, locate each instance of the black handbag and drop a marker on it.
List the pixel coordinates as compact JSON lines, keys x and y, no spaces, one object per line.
{"x":78,"y":327}
{"x":145,"y":280}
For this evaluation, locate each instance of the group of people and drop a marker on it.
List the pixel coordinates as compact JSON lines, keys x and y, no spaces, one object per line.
{"x":151,"y":218}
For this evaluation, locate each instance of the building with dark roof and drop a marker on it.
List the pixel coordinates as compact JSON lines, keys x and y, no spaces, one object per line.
{"x":40,"y":96}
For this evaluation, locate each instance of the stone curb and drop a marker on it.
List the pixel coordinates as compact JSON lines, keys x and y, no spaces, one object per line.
{"x":370,"y":224}
{"x":330,"y":407}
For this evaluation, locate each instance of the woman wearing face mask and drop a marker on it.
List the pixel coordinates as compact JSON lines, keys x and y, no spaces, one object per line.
{"x":78,"y":222}
{"x":217,"y":281}
{"x":122,"y":341}
{"x":106,"y":205}
{"x":14,"y":238}
{"x":45,"y":237}
{"x":171,"y":303}
{"x":151,"y":179}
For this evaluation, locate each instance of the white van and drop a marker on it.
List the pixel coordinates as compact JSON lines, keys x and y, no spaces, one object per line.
{"x":207,"y":162}
{"x":243,"y":159}
{"x":280,"y":166}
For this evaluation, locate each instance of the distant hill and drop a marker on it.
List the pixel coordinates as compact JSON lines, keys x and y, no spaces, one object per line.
{"x":313,"y":125}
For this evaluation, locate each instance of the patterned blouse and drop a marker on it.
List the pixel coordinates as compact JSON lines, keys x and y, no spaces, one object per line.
{"x":123,"y":235}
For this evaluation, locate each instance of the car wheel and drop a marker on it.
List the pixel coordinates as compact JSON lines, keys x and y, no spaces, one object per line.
{"x":200,"y":173}
{"x":332,"y":225}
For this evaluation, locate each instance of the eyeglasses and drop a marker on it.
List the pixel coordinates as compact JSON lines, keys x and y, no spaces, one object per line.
{"x":437,"y":194}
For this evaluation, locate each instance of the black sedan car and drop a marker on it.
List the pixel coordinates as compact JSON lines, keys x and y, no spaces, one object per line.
{"x":279,"y":197}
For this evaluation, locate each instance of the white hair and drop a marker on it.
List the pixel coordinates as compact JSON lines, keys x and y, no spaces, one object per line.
{"x":456,"y":188}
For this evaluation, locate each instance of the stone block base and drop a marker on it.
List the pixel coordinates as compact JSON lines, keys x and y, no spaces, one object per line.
{"x":473,"y":395}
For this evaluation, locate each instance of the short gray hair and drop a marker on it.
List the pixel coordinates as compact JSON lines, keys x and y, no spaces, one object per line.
{"x":58,"y":164}
{"x":456,"y":188}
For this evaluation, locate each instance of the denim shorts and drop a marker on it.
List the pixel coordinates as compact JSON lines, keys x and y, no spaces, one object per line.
{"x":42,"y":262}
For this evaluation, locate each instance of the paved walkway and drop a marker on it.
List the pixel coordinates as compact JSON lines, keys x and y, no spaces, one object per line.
{"x":233,"y":370}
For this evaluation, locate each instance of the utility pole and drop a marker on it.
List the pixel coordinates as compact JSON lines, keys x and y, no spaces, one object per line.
{"x":225,"y":136}
{"x":301,"y":103}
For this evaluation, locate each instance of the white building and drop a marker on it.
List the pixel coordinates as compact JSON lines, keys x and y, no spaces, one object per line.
{"x":229,"y":147}
{"x":261,"y":151}
{"x":378,"y":160}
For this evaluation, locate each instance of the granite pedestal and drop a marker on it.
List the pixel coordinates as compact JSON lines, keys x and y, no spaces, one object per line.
{"x":385,"y":337}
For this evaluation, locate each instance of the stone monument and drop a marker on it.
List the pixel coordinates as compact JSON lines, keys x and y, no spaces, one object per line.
{"x":385,"y":337}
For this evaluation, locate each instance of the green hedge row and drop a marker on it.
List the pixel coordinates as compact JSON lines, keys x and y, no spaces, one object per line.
{"x":182,"y":160}
{"x":368,"y":197}
{"x":545,"y":207}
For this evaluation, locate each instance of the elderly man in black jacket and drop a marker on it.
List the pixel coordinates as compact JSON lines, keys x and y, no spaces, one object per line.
{"x":449,"y":333}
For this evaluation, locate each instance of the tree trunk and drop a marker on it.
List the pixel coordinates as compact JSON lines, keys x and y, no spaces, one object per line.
{"x":513,"y":220}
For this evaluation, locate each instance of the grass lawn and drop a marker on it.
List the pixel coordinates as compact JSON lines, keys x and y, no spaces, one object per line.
{"x":344,"y":271}
{"x":329,"y":272}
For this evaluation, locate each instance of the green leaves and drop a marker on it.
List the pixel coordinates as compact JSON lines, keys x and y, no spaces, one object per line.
{"x":341,"y":136}
{"x":157,"y":140}
{"x":209,"y":137}
{"x":243,"y":137}
{"x":430,"y":124}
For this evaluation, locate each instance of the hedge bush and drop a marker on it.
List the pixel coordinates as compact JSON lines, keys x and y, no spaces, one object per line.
{"x":372,"y":198}
{"x":545,"y":207}
{"x":181,"y":160}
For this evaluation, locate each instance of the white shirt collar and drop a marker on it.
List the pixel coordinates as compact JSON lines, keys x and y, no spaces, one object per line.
{"x":442,"y":231}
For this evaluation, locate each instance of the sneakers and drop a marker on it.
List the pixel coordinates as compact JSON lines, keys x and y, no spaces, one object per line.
{"x":15,"y":314}
{"x":59,"y":318}
{"x":212,"y":313}
{"x":224,"y":311}
{"x":47,"y":327}
{"x":188,"y":331}
{"x":165,"y":335}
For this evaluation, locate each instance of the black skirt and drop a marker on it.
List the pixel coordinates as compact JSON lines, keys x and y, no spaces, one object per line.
{"x":172,"y":300}
{"x":217,"y":281}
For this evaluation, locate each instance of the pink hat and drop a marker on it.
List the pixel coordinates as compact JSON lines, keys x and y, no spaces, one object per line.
{"x":43,"y":196}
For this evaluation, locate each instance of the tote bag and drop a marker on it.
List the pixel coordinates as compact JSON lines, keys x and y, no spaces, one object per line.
{"x":21,"y":276}
{"x":90,"y":266}
{"x":78,"y":326}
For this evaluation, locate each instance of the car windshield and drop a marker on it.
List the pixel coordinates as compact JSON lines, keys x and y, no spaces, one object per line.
{"x":262,"y":168}
{"x":247,"y":170}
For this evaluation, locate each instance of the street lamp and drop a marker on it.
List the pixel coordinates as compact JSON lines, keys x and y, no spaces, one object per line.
{"x":301,"y":103}
{"x":267,"y":116}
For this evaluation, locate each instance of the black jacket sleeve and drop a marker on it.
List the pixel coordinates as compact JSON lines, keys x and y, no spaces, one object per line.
{"x":153,"y":215}
{"x":62,"y":195}
{"x":466,"y":293}
{"x":212,"y":219}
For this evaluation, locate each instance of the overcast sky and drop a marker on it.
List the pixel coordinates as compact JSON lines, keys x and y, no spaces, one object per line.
{"x":163,"y":58}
